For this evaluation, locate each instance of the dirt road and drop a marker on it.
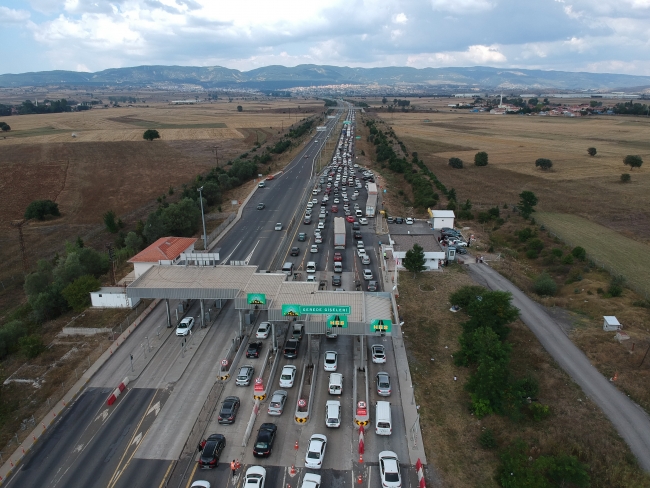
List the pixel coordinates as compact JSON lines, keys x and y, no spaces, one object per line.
{"x":631,"y":422}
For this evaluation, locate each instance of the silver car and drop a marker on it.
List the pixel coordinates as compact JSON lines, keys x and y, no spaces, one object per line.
{"x":245,"y":375}
{"x":383,"y":384}
{"x":276,"y":405}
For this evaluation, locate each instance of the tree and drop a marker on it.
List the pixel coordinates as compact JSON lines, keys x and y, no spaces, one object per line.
{"x":239,"y":108}
{"x":481,"y":158}
{"x":384,"y":101}
{"x":414,"y":260}
{"x":39,"y":209}
{"x":151,"y":134}
{"x":110,"y":222}
{"x":633,"y":161}
{"x":625,"y":178}
{"x":544,"y":163}
{"x":545,"y":286}
{"x":77,"y":293}
{"x":31,"y":346}
{"x":592,"y":151}
{"x":133,"y":241}
{"x":4,"y":127}
{"x":456,"y":163}
{"x":527,"y":200}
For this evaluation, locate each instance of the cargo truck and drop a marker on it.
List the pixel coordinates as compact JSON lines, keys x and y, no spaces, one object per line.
{"x":339,"y":233}
{"x":371,"y":203}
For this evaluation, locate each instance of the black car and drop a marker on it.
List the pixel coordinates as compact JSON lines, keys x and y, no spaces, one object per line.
{"x":399,"y":220}
{"x":254,"y":349}
{"x":295,"y":251}
{"x":291,"y":349}
{"x":212,"y":451}
{"x":357,"y":234}
{"x":229,"y":409}
{"x":356,"y":226}
{"x":459,"y":249}
{"x":264,"y":442}
{"x":336,"y":280}
{"x":260,"y":206}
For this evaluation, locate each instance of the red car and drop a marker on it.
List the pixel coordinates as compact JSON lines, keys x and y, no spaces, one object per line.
{"x":350,"y":219}
{"x":338,"y":257}
{"x":335,"y":209}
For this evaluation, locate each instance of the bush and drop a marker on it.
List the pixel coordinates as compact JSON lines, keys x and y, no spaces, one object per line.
{"x":616,"y":286}
{"x":532,"y":254}
{"x":568,"y":259}
{"x":633,"y":161}
{"x":487,"y":440}
{"x":10,"y":334}
{"x":466,"y":295}
{"x":4,"y":127}
{"x":484,"y":217}
{"x":574,"y":275}
{"x":39,"y":209}
{"x":626,"y":178}
{"x":110,"y":222}
{"x":592,"y":151}
{"x":481,"y":158}
{"x":579,"y":253}
{"x":544,"y":163}
{"x":456,"y":163}
{"x":31,"y":346}
{"x":557,"y":252}
{"x":539,"y":411}
{"x":524,"y":234}
{"x":545,"y":285}
{"x":535,"y":245}
{"x":77,"y":293}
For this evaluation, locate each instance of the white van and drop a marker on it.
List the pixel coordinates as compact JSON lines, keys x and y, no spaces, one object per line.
{"x":333,"y":413}
{"x":383,"y":420}
{"x":359,"y":213}
{"x":336,"y":384}
{"x":287,"y":268}
{"x":311,"y":267}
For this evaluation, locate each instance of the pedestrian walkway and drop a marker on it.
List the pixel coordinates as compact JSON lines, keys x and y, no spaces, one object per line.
{"x":628,"y":418}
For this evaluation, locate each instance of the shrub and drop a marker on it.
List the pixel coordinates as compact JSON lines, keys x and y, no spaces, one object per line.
{"x":616,"y":286}
{"x":484,"y":217}
{"x":592,"y":151}
{"x":568,"y":259}
{"x":456,"y":163}
{"x":466,"y":295}
{"x":487,"y":440}
{"x":10,"y":334}
{"x":77,"y":293}
{"x":626,"y":178}
{"x":557,"y":252}
{"x":545,"y":285}
{"x":39,"y":209}
{"x":151,"y":134}
{"x":544,"y":163}
{"x":494,"y":212}
{"x":110,"y":222}
{"x":4,"y":127}
{"x":481,"y":158}
{"x":535,"y":244}
{"x":532,"y":254}
{"x":525,"y":234}
{"x":633,"y":161}
{"x":579,"y":253}
{"x":31,"y":346}
{"x":574,"y":275}
{"x":539,"y":411}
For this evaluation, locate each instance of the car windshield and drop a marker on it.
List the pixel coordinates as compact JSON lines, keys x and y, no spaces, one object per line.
{"x":275,"y":404}
{"x":286,"y":376}
{"x":392,"y":477}
{"x":383,"y":383}
{"x":182,"y":325}
{"x":262,"y":445}
{"x":313,"y":454}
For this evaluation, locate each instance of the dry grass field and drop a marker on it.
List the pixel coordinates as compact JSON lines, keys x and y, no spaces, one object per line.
{"x":450,"y":432}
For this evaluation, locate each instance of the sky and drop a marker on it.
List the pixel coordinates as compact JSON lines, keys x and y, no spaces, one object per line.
{"x":604,"y":36}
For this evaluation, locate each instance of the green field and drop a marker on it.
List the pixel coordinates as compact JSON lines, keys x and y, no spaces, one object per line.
{"x":161,"y":125}
{"x":40,"y":131}
{"x":618,"y":254}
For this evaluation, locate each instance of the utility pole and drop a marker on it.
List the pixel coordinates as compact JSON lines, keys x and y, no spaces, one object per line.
{"x":205,"y":235}
{"x":21,"y":239}
{"x":111,"y":257}
{"x":216,"y":154}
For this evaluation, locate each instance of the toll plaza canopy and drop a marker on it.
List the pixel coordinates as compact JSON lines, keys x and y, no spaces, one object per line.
{"x":350,"y":313}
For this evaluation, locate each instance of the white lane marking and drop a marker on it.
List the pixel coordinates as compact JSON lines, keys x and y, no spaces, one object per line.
{"x":225,"y":260}
{"x":137,"y":439}
{"x":103,"y":415}
{"x":155,"y":408}
{"x":248,"y":258}
{"x":369,"y":474}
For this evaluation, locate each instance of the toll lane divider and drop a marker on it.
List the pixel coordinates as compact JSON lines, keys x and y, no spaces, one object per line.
{"x":118,"y":391}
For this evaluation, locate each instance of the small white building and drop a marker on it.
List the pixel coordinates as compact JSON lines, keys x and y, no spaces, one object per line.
{"x":611,"y":323}
{"x":401,"y":243}
{"x":165,"y":251}
{"x":112,"y":297}
{"x":442,"y":218}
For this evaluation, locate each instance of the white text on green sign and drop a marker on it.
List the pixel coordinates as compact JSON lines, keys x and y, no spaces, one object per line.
{"x":322,"y":309}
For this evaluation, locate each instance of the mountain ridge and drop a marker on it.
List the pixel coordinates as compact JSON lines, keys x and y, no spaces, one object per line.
{"x":278,"y":77}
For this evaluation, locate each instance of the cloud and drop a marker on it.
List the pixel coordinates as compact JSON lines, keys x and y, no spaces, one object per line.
{"x":401,"y":18}
{"x":462,"y":7}
{"x":11,"y":16}
{"x":474,"y":55}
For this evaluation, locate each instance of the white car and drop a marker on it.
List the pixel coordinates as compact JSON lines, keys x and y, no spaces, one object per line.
{"x":288,"y":376}
{"x":310,"y":481}
{"x":331,"y":361}
{"x":389,"y":470}
{"x":310,"y":205}
{"x":365,"y":259}
{"x":361,"y":252}
{"x":314,"y":248}
{"x":278,"y":226}
{"x":367,"y":274}
{"x":457,"y":243}
{"x":316,"y":451}
{"x":409,"y":221}
{"x":318,"y":239}
{"x":184,"y":328}
{"x":263,"y":330}
{"x":360,"y":245}
{"x":255,"y":477}
{"x":378,"y":354}
{"x":202,"y":484}
{"x":321,"y":225}
{"x":336,"y":200}
{"x":314,"y":201}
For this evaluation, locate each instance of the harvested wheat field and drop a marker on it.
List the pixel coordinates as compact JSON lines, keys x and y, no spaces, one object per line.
{"x":577,"y":183}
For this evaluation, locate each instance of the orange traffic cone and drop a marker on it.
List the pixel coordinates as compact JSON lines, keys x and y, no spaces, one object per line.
{"x":359,"y":479}
{"x":360,"y":458}
{"x":295,"y":446}
{"x":293,"y":470}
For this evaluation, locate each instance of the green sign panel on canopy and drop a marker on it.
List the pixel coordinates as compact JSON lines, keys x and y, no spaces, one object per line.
{"x":256,"y":298}
{"x":358,"y":137}
{"x":380,"y":325}
{"x":295,"y":310}
{"x":337,"y":321}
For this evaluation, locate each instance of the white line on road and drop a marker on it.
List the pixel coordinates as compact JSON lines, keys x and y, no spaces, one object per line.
{"x":248,"y":258}
{"x":225,"y":260}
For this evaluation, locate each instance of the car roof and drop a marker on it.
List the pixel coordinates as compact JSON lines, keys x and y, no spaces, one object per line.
{"x":214,"y":437}
{"x":256,"y":470}
{"x":231,"y":399}
{"x":289,"y":366}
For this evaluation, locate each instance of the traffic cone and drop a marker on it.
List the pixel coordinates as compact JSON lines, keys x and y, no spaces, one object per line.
{"x":295,"y":446}
{"x":359,"y":479}
{"x":293,"y":470}
{"x":360,"y":458}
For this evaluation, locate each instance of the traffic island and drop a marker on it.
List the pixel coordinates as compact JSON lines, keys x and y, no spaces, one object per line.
{"x":305,"y":396}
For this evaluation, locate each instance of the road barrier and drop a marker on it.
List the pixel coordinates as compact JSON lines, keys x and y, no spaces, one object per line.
{"x":304,"y":403}
{"x":419,"y":469}
{"x":116,"y":393}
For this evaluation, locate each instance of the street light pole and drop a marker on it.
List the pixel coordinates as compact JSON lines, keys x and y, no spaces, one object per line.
{"x":205,"y":236}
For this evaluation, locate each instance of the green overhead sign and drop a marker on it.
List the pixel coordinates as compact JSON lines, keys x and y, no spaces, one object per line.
{"x":380,"y":325}
{"x":256,"y":298}
{"x":295,"y":310}
{"x":337,"y":321}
